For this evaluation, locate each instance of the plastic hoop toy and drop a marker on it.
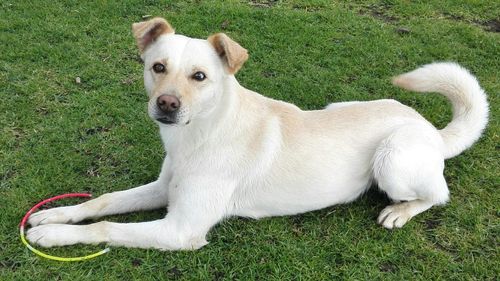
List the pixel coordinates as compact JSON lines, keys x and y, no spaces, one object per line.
{"x":47,"y":256}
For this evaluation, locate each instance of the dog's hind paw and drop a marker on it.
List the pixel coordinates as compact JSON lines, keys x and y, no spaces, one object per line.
{"x":394,"y":216}
{"x":398,"y":214}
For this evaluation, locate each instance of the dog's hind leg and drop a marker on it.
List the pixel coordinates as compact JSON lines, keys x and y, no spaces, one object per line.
{"x":408,"y":166}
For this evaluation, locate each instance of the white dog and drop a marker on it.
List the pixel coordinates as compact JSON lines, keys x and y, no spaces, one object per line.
{"x":233,"y":152}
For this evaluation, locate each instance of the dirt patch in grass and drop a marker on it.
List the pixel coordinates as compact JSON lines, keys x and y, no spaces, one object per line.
{"x":174,"y":273}
{"x":387,"y":267}
{"x":95,"y":130}
{"x":432,"y":224}
{"x":263,"y":4}
{"x":378,"y":12}
{"x":491,"y":25}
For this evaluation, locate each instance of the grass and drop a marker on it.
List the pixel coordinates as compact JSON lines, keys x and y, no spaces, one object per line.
{"x":60,"y":136}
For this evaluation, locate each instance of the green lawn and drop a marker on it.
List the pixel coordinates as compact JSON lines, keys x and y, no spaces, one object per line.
{"x":61,"y":136}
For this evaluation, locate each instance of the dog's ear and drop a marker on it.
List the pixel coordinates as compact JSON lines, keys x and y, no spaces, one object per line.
{"x":230,"y":52}
{"x":146,"y":32}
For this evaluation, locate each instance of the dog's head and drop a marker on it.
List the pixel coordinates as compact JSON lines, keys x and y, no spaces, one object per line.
{"x":184,"y":77}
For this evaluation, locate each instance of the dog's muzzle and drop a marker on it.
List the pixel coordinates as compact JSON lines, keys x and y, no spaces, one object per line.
{"x":168,"y":106}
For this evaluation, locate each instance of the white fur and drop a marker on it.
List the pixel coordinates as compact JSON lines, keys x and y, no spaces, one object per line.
{"x":470,"y":107}
{"x":242,"y":154}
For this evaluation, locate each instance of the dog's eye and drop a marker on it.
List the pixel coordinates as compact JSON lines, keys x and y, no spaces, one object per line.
{"x":199,"y":76}
{"x":158,"y":68}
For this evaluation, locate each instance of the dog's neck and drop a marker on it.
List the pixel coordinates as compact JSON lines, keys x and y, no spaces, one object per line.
{"x":220,"y":122}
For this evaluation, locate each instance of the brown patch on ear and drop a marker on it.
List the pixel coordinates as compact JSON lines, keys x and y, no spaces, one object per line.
{"x":147,"y":31}
{"x":230,"y":52}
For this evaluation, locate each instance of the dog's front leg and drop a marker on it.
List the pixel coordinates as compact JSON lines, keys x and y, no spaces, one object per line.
{"x":145,"y":197}
{"x":161,"y":234}
{"x":193,"y":212}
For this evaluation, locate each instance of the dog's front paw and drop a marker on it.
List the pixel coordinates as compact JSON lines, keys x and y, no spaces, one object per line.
{"x":54,"y":216}
{"x":50,"y":235}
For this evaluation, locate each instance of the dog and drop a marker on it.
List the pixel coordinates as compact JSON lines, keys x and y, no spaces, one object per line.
{"x":234,"y":152}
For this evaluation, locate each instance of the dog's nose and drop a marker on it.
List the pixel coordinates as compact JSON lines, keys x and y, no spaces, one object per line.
{"x":168,"y":103}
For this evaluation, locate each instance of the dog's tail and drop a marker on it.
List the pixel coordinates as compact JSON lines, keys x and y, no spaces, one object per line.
{"x":470,"y":107}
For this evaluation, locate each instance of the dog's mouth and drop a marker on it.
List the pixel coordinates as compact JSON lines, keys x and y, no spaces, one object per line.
{"x":169,"y":119}
{"x":165,"y":120}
